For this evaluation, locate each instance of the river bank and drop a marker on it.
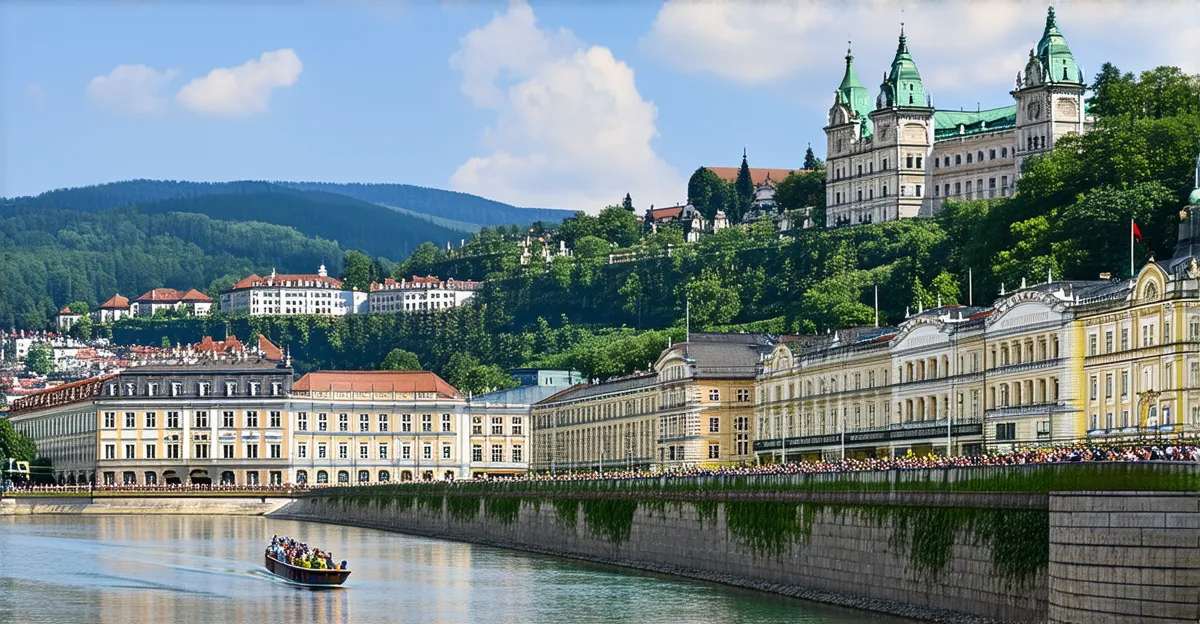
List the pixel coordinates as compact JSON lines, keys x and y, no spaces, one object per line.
{"x":192,"y":505}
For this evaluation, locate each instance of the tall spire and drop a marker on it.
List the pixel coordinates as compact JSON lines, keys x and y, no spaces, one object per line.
{"x":853,"y":95}
{"x":902,"y":86}
{"x":1055,"y":55}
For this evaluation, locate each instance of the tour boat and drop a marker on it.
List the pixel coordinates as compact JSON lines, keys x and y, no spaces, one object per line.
{"x":308,"y":577}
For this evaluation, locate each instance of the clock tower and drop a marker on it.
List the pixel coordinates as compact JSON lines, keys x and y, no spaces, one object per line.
{"x":1048,"y":94}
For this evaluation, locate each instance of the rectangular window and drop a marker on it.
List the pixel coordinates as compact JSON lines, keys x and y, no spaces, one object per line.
{"x":406,"y":423}
{"x":322,"y":422}
{"x":302,"y":421}
{"x":446,"y":422}
{"x":1108,"y":341}
{"x":276,"y":451}
{"x":364,"y":451}
{"x":477,"y":452}
{"x":1092,"y":344}
{"x":714,"y":451}
{"x":743,"y":395}
{"x":405,"y":451}
{"x":227,"y":451}
{"x":110,"y":420}
{"x":427,"y":451}
{"x":517,"y":427}
{"x":383,"y":423}
{"x":201,"y":451}
{"x":1124,"y":338}
{"x":302,"y":451}
{"x":497,"y":425}
{"x":445,"y":451}
{"x":476,"y":425}
{"x":517,"y":454}
{"x":252,"y":451}
{"x":227,"y":419}
{"x":172,"y":420}
{"x":322,"y":451}
{"x":427,"y":423}
{"x":276,"y":420}
{"x":1006,"y":431}
{"x":151,"y":449}
{"x":714,"y":424}
{"x":343,"y":451}
{"x":497,"y":453}
{"x":383,"y":451}
{"x":251,"y":418}
{"x":343,"y":422}
{"x":110,"y":451}
{"x":150,"y":420}
{"x":364,"y":422}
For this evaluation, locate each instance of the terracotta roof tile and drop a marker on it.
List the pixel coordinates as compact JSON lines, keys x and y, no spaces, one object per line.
{"x":116,"y":303}
{"x":376,"y":381}
{"x":758,"y":175}
{"x":300,"y":280}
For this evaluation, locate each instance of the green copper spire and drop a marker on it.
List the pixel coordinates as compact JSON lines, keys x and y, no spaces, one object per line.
{"x":903,"y":86}
{"x":853,"y":95}
{"x":1056,"y":57}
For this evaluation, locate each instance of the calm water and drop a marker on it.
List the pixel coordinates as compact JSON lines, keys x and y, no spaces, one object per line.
{"x":206,"y":570}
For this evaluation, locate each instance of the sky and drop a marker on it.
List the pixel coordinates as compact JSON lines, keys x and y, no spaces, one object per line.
{"x":561,"y":104}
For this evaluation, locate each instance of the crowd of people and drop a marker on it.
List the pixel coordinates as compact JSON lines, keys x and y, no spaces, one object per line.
{"x":297,"y":553}
{"x":1072,"y":453}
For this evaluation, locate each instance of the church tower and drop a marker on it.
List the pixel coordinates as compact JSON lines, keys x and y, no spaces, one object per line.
{"x":1048,"y":94}
{"x":903,"y":125}
{"x":848,"y":140}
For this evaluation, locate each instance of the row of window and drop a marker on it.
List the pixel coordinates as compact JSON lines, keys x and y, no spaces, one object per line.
{"x":200,"y":420}
{"x":382,"y":422}
{"x":973,"y":188}
{"x":944,"y":161}
{"x":1149,"y":336}
{"x":250,"y":450}
{"x":201,"y":388}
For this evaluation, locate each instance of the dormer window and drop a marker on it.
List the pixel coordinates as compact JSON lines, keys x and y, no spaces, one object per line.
{"x":202,"y":388}
{"x":254,"y":385}
{"x":112,"y":389}
{"x":130,"y":389}
{"x":176,"y":388}
{"x":230,"y":388}
{"x":276,"y":388}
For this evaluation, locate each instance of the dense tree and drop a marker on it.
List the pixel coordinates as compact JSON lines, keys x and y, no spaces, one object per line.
{"x":82,"y":328}
{"x":39,"y":359}
{"x":420,"y":262}
{"x":627,"y":203}
{"x":743,"y":189}
{"x":800,"y":190}
{"x":359,"y":271}
{"x":399,"y":359}
{"x":14,"y":445}
{"x":618,"y":225}
{"x":708,"y":193}
{"x":811,"y":162}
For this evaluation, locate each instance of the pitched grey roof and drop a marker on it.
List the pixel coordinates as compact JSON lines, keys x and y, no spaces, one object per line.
{"x":724,"y":356}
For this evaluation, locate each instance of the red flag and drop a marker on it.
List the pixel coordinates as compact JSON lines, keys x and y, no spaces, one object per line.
{"x":1137,"y":233}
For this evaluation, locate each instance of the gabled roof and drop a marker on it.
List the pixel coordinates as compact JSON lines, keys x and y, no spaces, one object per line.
{"x":665,"y":214}
{"x":66,"y":312}
{"x":116,"y":303}
{"x":170,"y":295}
{"x":270,"y":351}
{"x":758,"y":175}
{"x":376,"y":381}
{"x":295,"y":280}
{"x":720,"y":355}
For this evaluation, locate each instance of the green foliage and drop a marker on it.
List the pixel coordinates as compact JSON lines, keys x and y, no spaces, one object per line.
{"x":39,"y":359}
{"x":617,"y":225}
{"x":627,"y":203}
{"x":801,"y":189}
{"x":359,"y":271}
{"x":811,"y":162}
{"x":743,"y":188}
{"x":502,"y":508}
{"x":79,"y":307}
{"x":399,"y":359}
{"x":769,"y":527}
{"x":567,"y":511}
{"x":14,"y":445}
{"x":420,"y":262}
{"x":709,"y":193}
{"x":462,"y":507}
{"x":609,"y":518}
{"x":82,"y":328}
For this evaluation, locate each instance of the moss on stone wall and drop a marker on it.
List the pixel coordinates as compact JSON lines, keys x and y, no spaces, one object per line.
{"x":611,"y":519}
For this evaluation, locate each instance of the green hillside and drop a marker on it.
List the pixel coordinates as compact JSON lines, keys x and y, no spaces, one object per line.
{"x":446,"y":204}
{"x":376,"y":230}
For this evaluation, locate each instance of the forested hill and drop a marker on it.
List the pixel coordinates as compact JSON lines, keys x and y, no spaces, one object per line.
{"x":439,"y":203}
{"x":353,"y":224}
{"x":450,"y":205}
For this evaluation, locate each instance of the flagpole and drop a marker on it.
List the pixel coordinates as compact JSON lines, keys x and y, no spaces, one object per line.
{"x":1131,"y":224}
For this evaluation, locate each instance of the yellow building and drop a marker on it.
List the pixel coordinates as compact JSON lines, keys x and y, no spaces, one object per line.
{"x":210,"y":420}
{"x":706,"y":399}
{"x":378,"y":427}
{"x":62,"y":422}
{"x":604,"y":426}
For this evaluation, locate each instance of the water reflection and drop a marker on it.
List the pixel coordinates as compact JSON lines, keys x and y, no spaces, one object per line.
{"x":206,"y":569}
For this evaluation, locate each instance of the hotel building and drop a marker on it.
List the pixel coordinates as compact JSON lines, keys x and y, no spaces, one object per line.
{"x":420,"y":294}
{"x":292,"y":295}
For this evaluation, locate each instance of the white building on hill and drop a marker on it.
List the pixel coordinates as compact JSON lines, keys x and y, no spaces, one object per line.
{"x":293,"y":295}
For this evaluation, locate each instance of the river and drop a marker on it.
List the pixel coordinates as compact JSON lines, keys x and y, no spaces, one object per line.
{"x":207,"y":570}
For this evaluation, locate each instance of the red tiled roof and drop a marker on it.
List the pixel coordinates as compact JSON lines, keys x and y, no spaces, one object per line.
{"x":66,"y":310}
{"x":270,"y":351}
{"x":664,"y":214}
{"x":60,"y":395}
{"x":116,"y":303}
{"x":376,"y":381}
{"x":429,"y":281}
{"x":195,"y":295}
{"x":286,"y":279}
{"x":758,"y":175}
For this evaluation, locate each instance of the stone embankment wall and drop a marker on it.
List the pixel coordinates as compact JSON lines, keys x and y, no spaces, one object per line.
{"x":190,"y":505}
{"x":909,"y":558}
{"x":1124,"y":557}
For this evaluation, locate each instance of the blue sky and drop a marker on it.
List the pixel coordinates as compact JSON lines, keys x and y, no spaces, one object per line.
{"x":556,"y":104}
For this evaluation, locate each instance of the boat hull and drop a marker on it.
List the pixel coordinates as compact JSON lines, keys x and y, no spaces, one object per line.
{"x":307,"y":577}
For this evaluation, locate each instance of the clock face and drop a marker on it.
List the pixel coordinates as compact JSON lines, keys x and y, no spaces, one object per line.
{"x":1035,"y":110}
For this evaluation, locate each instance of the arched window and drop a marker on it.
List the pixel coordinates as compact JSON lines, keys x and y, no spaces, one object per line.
{"x":301,"y":476}
{"x":364,"y":476}
{"x":343,"y":476}
{"x":384,"y":476}
{"x":227,"y":478}
{"x":406,"y":475}
{"x":322,"y":476}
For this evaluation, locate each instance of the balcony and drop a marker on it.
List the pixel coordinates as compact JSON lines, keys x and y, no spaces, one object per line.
{"x":933,"y":429}
{"x":1025,"y":366}
{"x":1036,"y":409}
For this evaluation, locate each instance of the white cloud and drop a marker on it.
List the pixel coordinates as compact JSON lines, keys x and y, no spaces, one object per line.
{"x":242,"y":90}
{"x":131,"y":90}
{"x":572,"y":129}
{"x":959,"y":46}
